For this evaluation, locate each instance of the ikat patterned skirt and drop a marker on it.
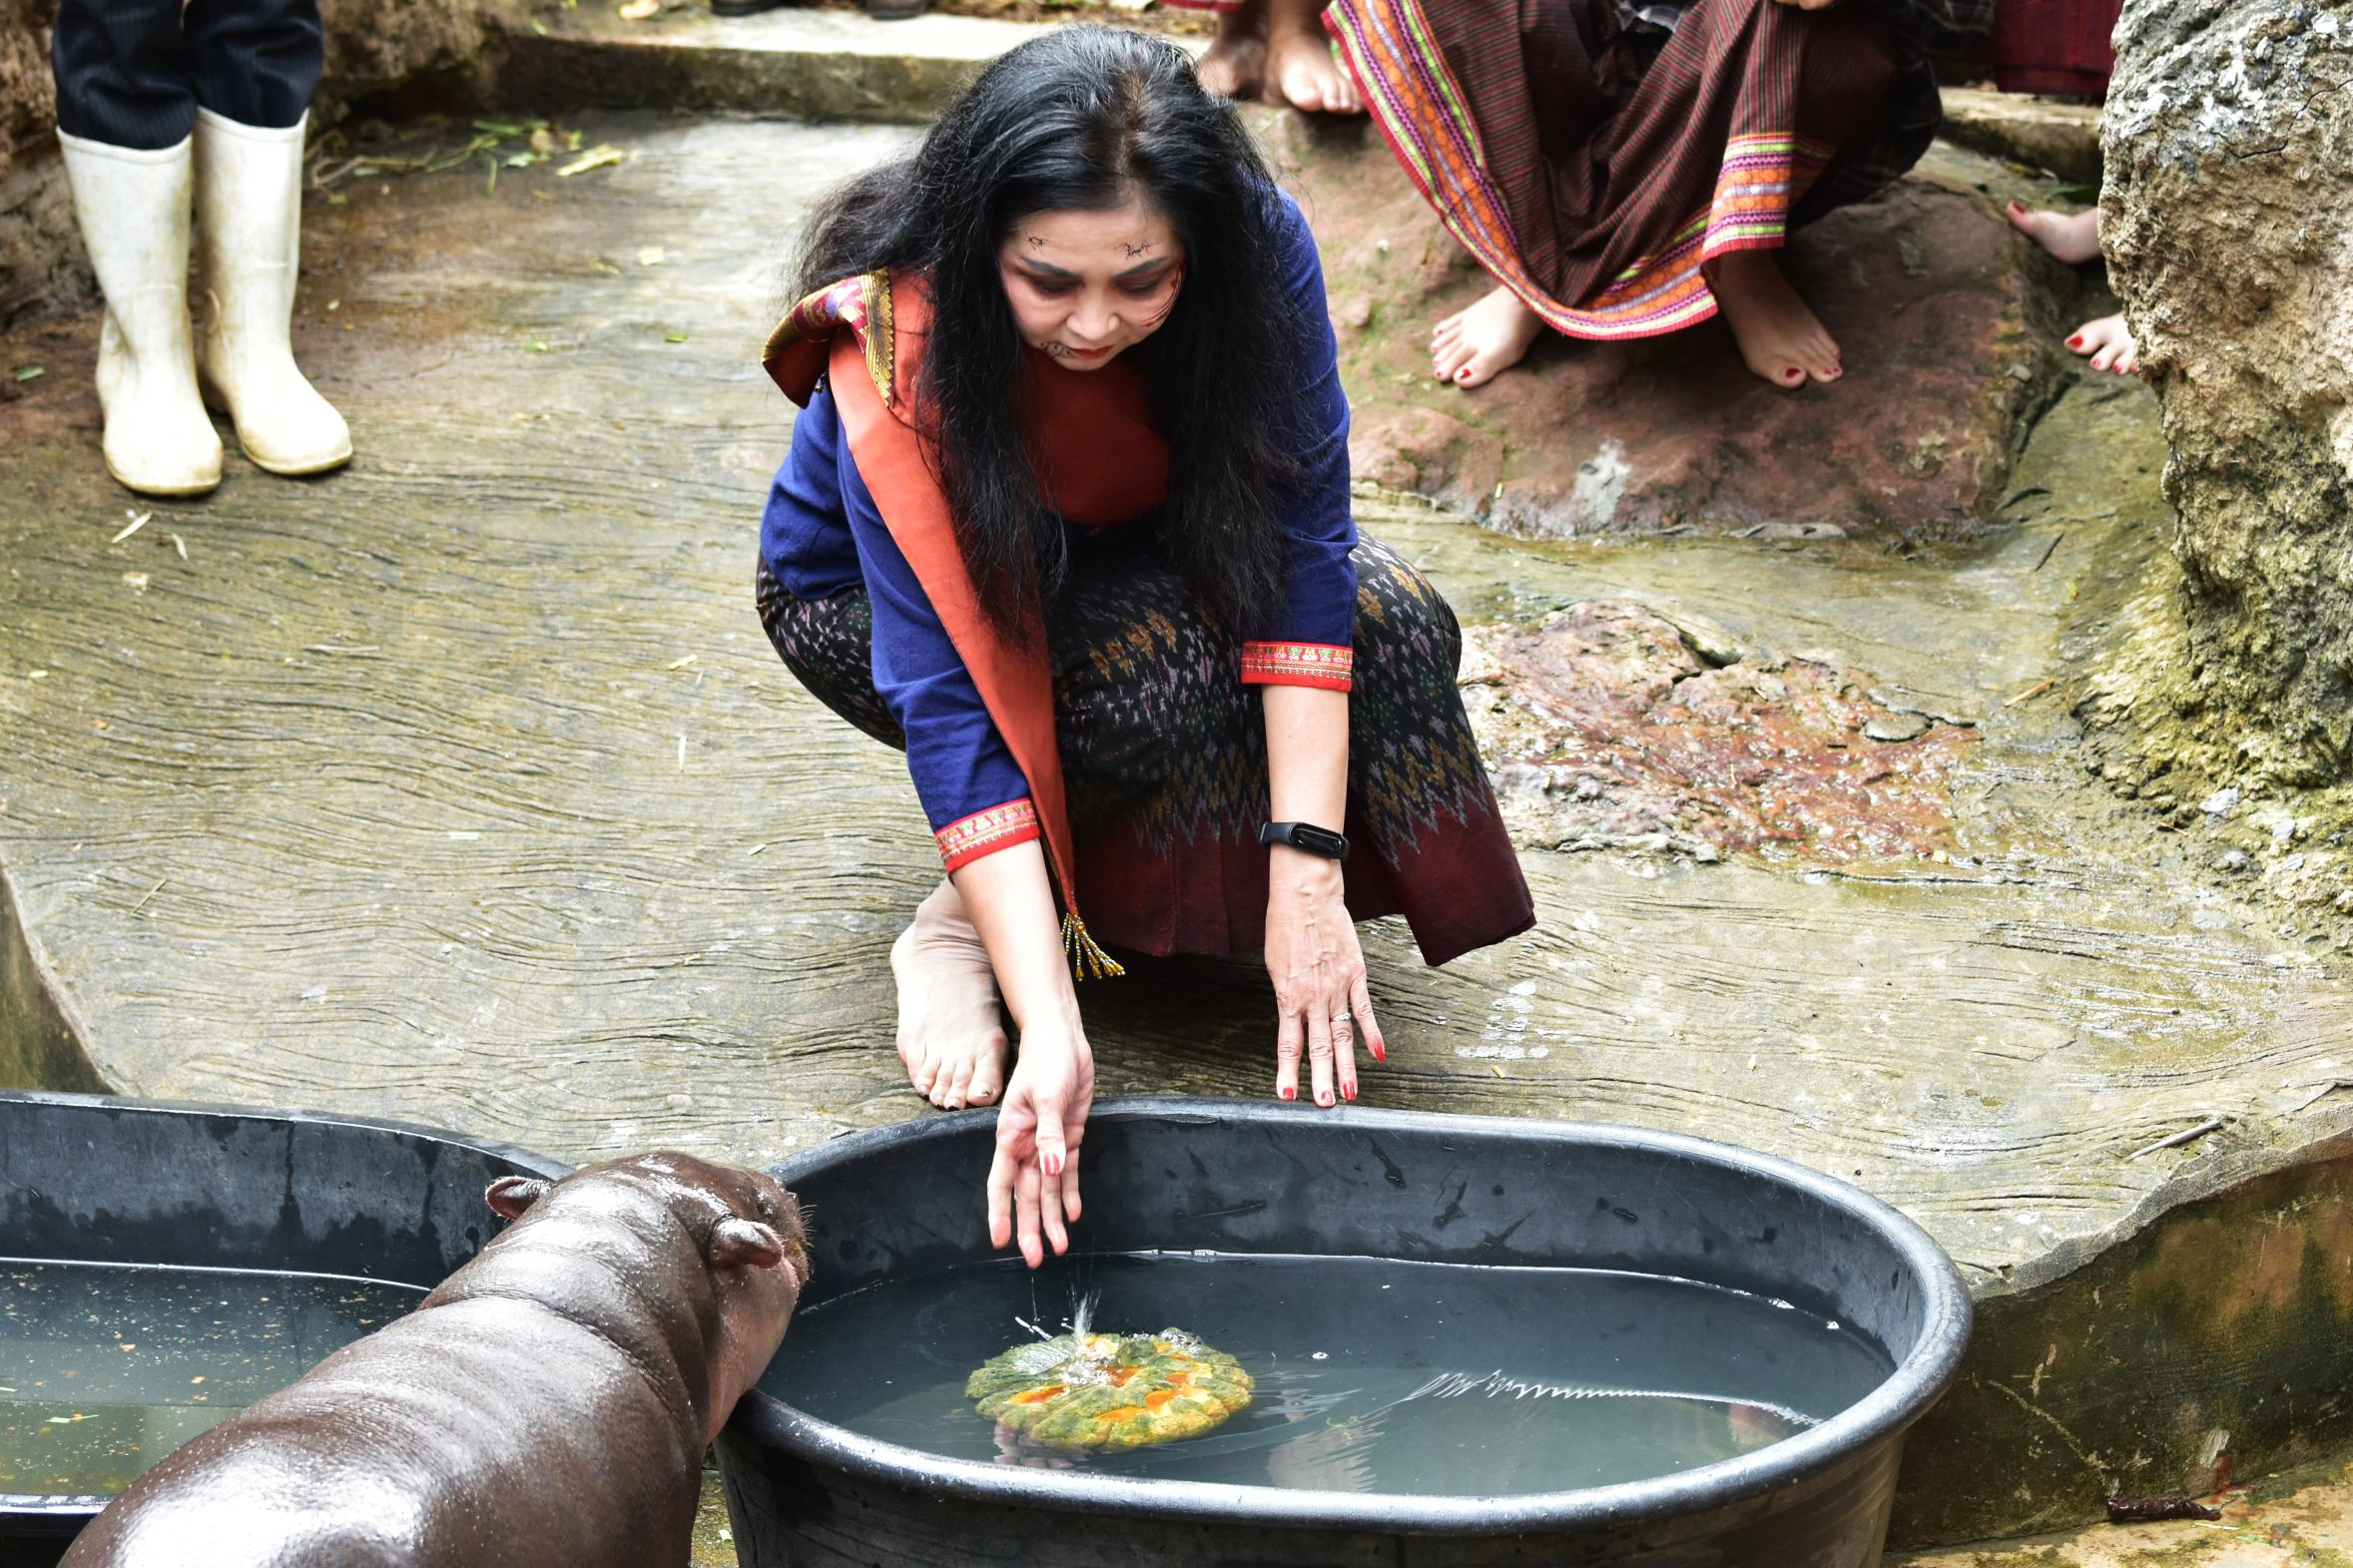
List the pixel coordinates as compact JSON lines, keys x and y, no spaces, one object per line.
{"x":1164,"y":754}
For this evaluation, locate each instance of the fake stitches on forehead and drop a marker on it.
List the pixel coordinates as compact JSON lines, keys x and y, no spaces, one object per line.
{"x":1145,"y":273}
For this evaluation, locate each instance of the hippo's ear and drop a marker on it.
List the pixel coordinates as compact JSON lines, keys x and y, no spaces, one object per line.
{"x":509,"y":1196}
{"x":736,"y":1242}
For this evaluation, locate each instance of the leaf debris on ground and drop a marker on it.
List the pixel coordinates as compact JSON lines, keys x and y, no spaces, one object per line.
{"x":138,"y":521}
{"x":595,"y":157}
{"x":2036,"y":689}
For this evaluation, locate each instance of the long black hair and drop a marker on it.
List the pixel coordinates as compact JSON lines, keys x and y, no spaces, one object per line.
{"x":1087,"y":118}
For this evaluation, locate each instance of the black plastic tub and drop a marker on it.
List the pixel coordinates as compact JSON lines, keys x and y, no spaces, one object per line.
{"x":92,"y":1180}
{"x":1236,"y":1178}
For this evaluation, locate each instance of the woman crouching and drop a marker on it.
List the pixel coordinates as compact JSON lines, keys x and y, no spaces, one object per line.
{"x":1066,"y":517}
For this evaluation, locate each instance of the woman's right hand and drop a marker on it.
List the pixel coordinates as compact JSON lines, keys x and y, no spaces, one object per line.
{"x":1033,"y":1184}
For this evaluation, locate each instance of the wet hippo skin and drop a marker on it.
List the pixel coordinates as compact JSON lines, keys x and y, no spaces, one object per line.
{"x":548,"y":1405}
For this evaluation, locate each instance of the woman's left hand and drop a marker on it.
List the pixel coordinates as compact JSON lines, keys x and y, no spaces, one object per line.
{"x":1321,"y":1005}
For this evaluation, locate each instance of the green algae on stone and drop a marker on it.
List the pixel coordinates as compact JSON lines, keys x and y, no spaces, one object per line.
{"x":2199,"y":1348}
{"x":2225,"y":222}
{"x":1103,"y":1391}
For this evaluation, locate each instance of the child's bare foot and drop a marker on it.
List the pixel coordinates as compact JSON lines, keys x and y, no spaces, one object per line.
{"x":1779,"y":336}
{"x":2071,"y":237}
{"x":1472,"y":346}
{"x":1234,"y":64}
{"x":950,"y":1035}
{"x":2107,"y":344}
{"x":1300,"y":62}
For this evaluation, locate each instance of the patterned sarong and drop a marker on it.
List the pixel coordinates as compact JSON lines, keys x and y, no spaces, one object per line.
{"x":1593,"y":168}
{"x":1163,"y":751}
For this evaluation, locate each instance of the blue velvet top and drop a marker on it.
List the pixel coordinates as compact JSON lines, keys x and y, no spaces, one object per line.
{"x":822,"y":535}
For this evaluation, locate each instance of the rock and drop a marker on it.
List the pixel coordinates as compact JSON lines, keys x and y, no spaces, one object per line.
{"x":2063,"y":138}
{"x":40,"y":258}
{"x":2232,"y":860}
{"x":2228,"y":223}
{"x":1606,"y":727}
{"x":1424,"y":451}
{"x":2222,"y":802}
{"x":1711,"y":639}
{"x":1951,"y":339}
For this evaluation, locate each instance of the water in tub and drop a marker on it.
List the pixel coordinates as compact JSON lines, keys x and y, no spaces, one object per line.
{"x":104,"y":1370}
{"x":1370,"y":1375}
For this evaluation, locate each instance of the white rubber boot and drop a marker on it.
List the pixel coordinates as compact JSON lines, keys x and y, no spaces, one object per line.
{"x":249,"y":220}
{"x":133,"y":210}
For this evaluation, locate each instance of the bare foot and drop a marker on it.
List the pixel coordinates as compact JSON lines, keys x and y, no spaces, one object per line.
{"x":2071,"y":237}
{"x":1470,"y":347}
{"x":1300,"y":62}
{"x":950,"y":1035}
{"x":1778,"y":335}
{"x":2108,"y":342}
{"x":1234,"y":64}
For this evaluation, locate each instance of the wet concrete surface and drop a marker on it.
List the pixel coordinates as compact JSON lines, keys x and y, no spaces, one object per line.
{"x":462,"y":788}
{"x":2292,"y":1519}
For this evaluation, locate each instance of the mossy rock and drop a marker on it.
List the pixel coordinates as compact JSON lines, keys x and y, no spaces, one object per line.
{"x":1105,"y":1390}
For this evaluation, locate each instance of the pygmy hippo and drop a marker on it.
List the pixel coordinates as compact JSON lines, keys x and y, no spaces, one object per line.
{"x":548,"y":1404}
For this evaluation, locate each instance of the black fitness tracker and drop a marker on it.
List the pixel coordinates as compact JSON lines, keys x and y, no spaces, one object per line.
{"x":1307,"y":836}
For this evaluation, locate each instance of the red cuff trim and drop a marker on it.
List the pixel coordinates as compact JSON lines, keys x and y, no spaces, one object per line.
{"x":1299,"y":664}
{"x":985,"y":833}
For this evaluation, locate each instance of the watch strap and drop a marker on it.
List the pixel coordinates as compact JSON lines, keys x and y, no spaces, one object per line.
{"x":1305,"y":837}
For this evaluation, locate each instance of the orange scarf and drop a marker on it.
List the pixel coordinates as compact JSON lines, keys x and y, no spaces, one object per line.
{"x":1096,"y":451}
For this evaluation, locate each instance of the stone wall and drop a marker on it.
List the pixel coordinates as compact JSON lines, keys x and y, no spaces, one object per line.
{"x":2228,"y":223}
{"x":370,"y":48}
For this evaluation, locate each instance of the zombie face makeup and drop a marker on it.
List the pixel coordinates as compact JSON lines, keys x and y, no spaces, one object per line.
{"x":1083,"y":286}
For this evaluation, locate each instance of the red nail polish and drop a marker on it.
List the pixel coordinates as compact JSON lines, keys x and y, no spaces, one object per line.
{"x":1324,"y":1097}
{"x":1288,"y":1094}
{"x":1379,"y":1055}
{"x":1349,"y":1091}
{"x":2075,"y":341}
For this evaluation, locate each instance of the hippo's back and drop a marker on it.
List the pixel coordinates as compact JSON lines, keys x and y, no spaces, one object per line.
{"x":475,"y":1434}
